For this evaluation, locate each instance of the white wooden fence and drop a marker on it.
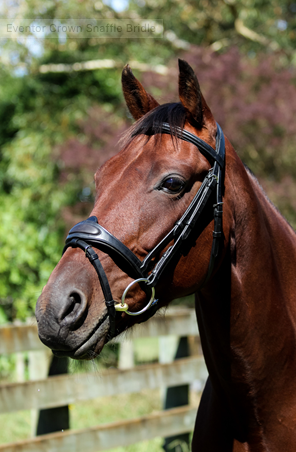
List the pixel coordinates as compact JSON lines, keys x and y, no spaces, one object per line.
{"x":67,"y":389}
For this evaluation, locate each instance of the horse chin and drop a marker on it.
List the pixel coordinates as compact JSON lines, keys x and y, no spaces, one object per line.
{"x":92,"y":346}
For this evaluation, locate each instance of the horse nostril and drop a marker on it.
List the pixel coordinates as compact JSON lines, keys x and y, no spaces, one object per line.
{"x":74,"y":308}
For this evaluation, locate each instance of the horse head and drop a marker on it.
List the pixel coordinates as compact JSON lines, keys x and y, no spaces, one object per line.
{"x":141,"y":195}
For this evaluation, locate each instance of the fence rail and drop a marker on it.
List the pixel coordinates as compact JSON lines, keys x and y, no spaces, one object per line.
{"x":58,"y":391}
{"x":108,"y":436}
{"x":67,"y":389}
{"x":176,"y":322}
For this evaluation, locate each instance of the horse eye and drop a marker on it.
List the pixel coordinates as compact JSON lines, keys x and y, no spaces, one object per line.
{"x":172,"y":185}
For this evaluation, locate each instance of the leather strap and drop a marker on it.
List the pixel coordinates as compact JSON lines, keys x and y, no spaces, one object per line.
{"x":95,"y":261}
{"x":181,"y":230}
{"x":202,"y":146}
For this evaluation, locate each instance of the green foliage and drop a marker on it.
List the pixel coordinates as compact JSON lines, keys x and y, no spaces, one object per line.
{"x":266,"y":24}
{"x":7,"y":366}
{"x":39,"y":115}
{"x":3,"y":317}
{"x":29,"y":230}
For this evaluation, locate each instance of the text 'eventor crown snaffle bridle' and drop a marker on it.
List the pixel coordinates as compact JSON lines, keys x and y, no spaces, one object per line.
{"x":89,"y":233}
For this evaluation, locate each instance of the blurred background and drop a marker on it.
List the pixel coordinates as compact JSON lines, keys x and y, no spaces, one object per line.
{"x":61,"y":116}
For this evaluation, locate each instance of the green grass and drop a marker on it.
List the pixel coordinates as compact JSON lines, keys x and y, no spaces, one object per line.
{"x":109,"y":409}
{"x":145,"y":446}
{"x":15,"y":426}
{"x":123,"y":406}
{"x":146,"y":350}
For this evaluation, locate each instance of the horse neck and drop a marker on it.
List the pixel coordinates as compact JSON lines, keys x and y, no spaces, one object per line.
{"x":262,"y":259}
{"x":247,"y":313}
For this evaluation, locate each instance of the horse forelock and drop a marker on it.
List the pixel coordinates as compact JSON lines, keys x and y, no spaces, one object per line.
{"x":172,"y":113}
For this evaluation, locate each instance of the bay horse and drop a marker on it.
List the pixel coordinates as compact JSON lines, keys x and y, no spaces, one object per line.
{"x":149,"y":239}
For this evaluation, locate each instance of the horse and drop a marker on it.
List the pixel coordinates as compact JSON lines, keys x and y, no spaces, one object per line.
{"x":177,"y":213}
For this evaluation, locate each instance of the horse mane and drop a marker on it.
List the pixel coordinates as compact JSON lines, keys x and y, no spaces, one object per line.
{"x":172,"y":113}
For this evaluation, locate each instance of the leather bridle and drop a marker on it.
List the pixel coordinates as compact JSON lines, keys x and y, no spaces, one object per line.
{"x":89,"y":233}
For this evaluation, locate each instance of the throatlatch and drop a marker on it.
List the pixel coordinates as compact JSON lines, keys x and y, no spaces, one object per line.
{"x":89,"y":233}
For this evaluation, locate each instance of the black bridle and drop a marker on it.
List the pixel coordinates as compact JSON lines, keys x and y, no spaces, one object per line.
{"x":89,"y":233}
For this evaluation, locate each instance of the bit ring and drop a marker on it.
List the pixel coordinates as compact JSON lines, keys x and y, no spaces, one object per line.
{"x":123,"y":306}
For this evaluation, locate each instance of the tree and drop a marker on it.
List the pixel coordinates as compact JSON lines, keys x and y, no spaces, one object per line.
{"x":256,"y":25}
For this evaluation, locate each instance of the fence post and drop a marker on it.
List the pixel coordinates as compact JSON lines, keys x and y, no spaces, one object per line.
{"x":177,"y":395}
{"x":54,"y":419}
{"x":20,"y":367}
{"x":38,"y":364}
{"x":126,"y":354}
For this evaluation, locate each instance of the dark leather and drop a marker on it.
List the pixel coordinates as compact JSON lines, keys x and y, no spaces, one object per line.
{"x":97,"y":236}
{"x":95,"y":261}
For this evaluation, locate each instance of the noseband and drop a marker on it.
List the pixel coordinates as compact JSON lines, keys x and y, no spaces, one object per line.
{"x":89,"y":233}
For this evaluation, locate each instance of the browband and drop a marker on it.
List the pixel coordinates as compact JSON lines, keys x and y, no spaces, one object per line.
{"x":203,"y":147}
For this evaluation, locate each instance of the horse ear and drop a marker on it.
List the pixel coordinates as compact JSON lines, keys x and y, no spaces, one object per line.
{"x":198,"y":112}
{"x":138,"y":101}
